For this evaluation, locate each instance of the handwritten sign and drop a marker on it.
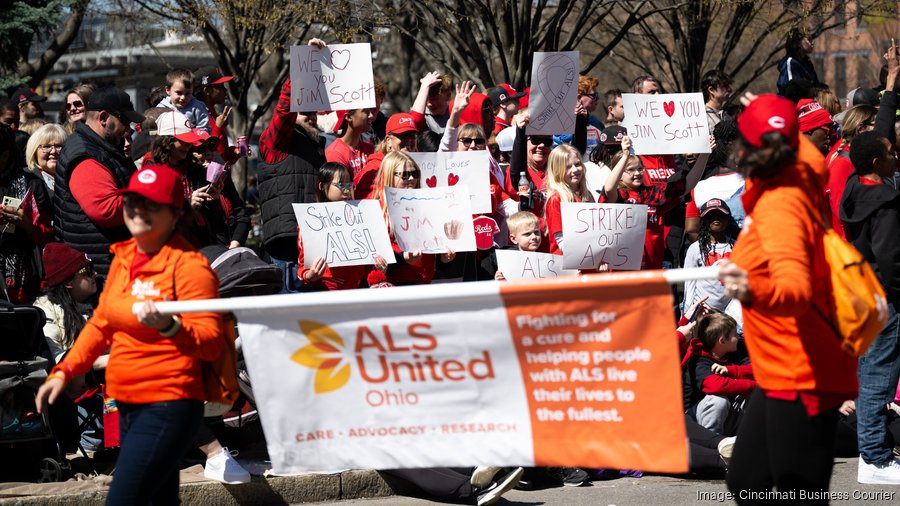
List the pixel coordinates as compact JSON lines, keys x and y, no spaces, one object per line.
{"x":332,"y":78}
{"x":554,"y":91}
{"x":343,"y":233}
{"x":517,"y":264}
{"x":610,"y":233}
{"x":666,"y":124}
{"x":449,"y":168}
{"x":431,"y":219}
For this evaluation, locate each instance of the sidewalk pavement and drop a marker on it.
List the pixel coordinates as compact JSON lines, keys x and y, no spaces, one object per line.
{"x":195,"y":489}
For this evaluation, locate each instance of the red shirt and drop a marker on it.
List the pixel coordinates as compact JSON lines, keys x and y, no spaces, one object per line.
{"x":654,"y":197}
{"x":839,"y":169}
{"x":553,"y":213}
{"x":657,"y":169}
{"x":94,"y":188}
{"x":276,"y":139}
{"x":334,"y":278}
{"x":354,"y":158}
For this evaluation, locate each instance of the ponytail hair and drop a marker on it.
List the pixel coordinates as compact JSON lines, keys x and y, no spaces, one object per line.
{"x":771,"y":159}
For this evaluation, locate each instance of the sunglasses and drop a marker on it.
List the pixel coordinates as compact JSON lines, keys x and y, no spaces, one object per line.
{"x":134,"y":201}
{"x":538,"y":141}
{"x":467,"y":141}
{"x":343,"y":186}
{"x":74,"y":105}
{"x":86,"y":271}
{"x":592,"y":95}
{"x":408,"y":174}
{"x":405,"y":137}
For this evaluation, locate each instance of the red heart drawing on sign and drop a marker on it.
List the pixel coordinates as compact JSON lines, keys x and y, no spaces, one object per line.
{"x":431,"y":182}
{"x":669,"y":107}
{"x":340,"y":58}
{"x":452,"y":179}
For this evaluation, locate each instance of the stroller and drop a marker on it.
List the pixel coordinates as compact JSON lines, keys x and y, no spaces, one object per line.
{"x":242,"y":273}
{"x":29,"y":450}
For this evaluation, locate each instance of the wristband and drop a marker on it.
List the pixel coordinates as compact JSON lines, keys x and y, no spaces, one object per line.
{"x":172,"y":329}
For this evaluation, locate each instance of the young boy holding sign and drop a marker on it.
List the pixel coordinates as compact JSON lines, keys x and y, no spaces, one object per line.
{"x":524,"y":234}
{"x":626,"y":184}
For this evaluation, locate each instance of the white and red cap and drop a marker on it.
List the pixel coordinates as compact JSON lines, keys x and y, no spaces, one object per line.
{"x":769,"y":113}
{"x":175,"y":124}
{"x":400,"y":123}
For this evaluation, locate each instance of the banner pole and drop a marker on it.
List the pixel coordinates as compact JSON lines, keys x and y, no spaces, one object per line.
{"x":396,"y":295}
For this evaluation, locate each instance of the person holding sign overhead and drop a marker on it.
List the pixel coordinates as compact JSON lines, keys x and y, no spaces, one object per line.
{"x":334,"y":184}
{"x":626,"y":184}
{"x":398,"y":170}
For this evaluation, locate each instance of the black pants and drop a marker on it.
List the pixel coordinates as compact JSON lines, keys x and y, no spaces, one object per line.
{"x":704,"y":448}
{"x":779,"y":445}
{"x":448,"y":483}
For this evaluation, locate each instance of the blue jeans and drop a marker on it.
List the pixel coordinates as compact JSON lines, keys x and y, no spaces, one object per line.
{"x":154,"y":438}
{"x":879,"y":369}
{"x":292,"y":283}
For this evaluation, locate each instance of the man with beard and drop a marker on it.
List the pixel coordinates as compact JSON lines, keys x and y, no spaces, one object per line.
{"x":291,"y":152}
{"x":92,"y":168}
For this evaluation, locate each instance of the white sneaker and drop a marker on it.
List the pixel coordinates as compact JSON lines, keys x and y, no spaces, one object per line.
{"x":482,"y":476}
{"x":726,"y":448}
{"x":887,"y":474}
{"x":223,"y":468}
{"x":502,"y":485}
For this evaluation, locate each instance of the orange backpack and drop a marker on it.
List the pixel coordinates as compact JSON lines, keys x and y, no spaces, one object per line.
{"x":858,"y":299}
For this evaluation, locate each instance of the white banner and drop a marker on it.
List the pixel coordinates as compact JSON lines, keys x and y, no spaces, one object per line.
{"x":332,"y":78}
{"x":517,"y":264}
{"x":343,"y":233}
{"x":449,"y":168}
{"x":597,"y":233}
{"x":554,"y":92}
{"x":431,"y":219}
{"x":547,"y":373}
{"x":667,"y":124}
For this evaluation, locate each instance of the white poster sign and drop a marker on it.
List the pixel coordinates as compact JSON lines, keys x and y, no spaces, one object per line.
{"x":667,"y":124}
{"x":518,"y":264}
{"x":431,"y":219}
{"x":554,"y":92}
{"x":449,"y":168}
{"x":332,"y":78}
{"x":603,"y":233}
{"x":343,"y":233}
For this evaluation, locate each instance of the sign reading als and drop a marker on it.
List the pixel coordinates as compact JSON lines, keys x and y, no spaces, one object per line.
{"x":343,"y":233}
{"x":332,"y":78}
{"x":667,"y":124}
{"x":516,"y":264}
{"x":603,"y":233}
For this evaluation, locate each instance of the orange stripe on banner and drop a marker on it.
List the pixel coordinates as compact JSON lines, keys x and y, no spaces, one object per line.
{"x":601,"y":370}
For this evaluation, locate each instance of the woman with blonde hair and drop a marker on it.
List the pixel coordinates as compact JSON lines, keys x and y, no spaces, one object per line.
{"x":42,"y":152}
{"x":565,"y":183}
{"x":398,"y":170}
{"x":76,"y":104}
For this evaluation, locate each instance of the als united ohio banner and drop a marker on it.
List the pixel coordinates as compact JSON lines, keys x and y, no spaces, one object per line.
{"x":565,"y":372}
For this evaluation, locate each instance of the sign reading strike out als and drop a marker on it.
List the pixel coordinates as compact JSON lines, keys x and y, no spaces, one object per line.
{"x":343,"y":233}
{"x":531,"y":373}
{"x":666,"y":124}
{"x":331,"y":78}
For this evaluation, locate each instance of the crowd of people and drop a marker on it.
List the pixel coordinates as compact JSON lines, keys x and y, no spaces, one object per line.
{"x":108,"y":209}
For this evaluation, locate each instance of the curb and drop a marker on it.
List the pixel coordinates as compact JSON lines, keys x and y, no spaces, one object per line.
{"x":354,"y":484}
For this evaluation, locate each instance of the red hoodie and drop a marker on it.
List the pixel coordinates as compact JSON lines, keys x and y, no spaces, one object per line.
{"x":699,"y":380}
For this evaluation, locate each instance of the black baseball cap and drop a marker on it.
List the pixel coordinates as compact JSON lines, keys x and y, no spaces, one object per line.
{"x":613,"y":135}
{"x":23,"y":95}
{"x":114,"y":101}
{"x":498,"y":96}
{"x":208,"y":75}
{"x":866,"y":96}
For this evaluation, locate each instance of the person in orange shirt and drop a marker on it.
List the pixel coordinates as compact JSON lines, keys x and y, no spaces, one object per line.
{"x":154,"y":368}
{"x":780,"y":275}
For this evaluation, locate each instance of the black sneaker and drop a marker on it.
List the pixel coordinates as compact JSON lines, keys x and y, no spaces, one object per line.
{"x":569,"y":476}
{"x":504,"y":483}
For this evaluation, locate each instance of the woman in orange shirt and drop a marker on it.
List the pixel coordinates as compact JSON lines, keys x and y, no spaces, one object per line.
{"x":154,"y":369}
{"x":781,"y":277}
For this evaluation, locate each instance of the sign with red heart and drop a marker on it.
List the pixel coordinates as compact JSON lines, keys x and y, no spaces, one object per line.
{"x":667,"y":124}
{"x":453,"y":168}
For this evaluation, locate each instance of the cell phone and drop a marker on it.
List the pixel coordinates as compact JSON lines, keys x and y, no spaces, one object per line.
{"x":697,"y":310}
{"x":12,"y":202}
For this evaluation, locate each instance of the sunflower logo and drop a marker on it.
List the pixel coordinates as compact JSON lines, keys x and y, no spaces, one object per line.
{"x":323,"y":353}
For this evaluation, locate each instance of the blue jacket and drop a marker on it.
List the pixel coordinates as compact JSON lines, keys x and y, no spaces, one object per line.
{"x":196,"y":113}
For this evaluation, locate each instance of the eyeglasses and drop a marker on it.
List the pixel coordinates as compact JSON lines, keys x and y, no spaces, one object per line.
{"x":46,"y":148}
{"x":538,"y":141}
{"x":405,"y":137}
{"x":639,"y":170}
{"x":344,"y":186}
{"x":86,"y":271}
{"x":408,"y":174}
{"x":75,"y":105}
{"x":467,"y":141}
{"x":133,"y":201}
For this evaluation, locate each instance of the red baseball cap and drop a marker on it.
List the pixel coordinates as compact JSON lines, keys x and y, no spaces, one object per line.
{"x":158,"y":183}
{"x":769,"y":113}
{"x":523,"y":102}
{"x":401,"y":123}
{"x":340,"y":118}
